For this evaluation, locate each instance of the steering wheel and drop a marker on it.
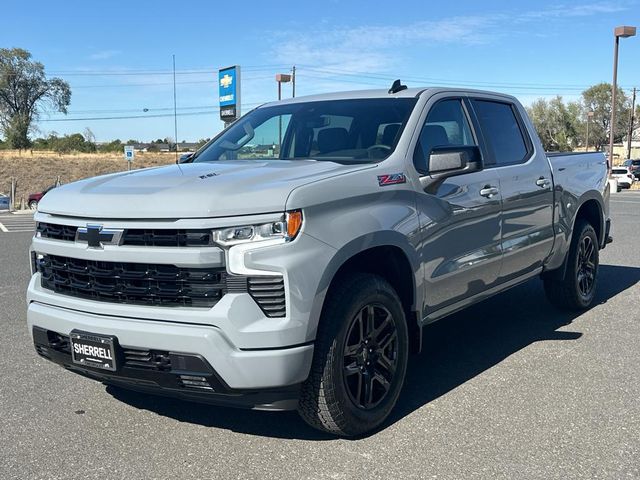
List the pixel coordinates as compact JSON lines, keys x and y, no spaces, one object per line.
{"x":378,"y":146}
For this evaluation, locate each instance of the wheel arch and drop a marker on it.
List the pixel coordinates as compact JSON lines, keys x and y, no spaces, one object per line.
{"x":387,"y":254}
{"x":591,"y":210}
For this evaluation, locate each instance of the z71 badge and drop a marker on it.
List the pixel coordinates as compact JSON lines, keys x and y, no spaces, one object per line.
{"x":391,"y":179}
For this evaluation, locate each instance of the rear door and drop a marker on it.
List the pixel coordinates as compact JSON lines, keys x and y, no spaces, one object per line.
{"x":460,"y":217}
{"x":526,"y":186}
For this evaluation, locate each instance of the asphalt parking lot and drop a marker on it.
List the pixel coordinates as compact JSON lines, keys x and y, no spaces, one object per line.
{"x":510,"y":388}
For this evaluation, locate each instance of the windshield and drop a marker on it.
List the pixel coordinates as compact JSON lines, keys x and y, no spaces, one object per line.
{"x":344,"y":131}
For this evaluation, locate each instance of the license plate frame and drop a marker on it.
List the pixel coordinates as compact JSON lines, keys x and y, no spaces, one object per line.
{"x":93,"y":350}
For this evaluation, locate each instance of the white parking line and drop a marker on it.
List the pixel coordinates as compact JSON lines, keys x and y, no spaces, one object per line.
{"x":3,"y":228}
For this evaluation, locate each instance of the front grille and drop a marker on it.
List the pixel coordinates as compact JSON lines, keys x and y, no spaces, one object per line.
{"x":153,"y":237}
{"x":168,"y":238}
{"x":57,"y":232}
{"x":133,"y":283}
{"x":268,"y":292}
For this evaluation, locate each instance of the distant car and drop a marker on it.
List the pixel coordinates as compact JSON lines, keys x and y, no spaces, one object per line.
{"x":4,"y":202}
{"x":634,"y":166}
{"x":624,"y":176}
{"x":34,"y":198}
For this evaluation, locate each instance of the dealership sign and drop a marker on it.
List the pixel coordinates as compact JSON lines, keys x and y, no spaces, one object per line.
{"x":229,"y":93}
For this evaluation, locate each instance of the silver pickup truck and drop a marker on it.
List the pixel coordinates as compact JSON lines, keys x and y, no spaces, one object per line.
{"x":293,"y":260}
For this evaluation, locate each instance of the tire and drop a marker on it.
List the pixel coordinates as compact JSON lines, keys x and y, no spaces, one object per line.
{"x":33,"y":204}
{"x":330,"y":399}
{"x":576,"y":290}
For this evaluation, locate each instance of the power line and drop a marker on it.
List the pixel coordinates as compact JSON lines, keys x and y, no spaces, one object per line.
{"x":211,"y":110}
{"x":154,"y":84}
{"x":380,"y":76}
{"x":108,"y":73}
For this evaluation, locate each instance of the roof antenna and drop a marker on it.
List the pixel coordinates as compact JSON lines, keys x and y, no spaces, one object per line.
{"x":397,"y":87}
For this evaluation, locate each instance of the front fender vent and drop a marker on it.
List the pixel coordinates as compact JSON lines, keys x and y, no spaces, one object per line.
{"x":268,"y":292}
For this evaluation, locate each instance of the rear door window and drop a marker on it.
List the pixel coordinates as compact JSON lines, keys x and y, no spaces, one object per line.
{"x":502,"y":132}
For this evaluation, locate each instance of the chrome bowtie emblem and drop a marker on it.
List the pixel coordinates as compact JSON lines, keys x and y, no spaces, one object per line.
{"x":96,"y":236}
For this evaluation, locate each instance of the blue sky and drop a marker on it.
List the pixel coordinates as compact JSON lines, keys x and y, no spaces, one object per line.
{"x":116,"y":55}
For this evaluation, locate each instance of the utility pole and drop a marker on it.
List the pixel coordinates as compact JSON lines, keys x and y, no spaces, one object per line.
{"x":293,"y":81}
{"x":175,"y":109}
{"x":631,"y":119}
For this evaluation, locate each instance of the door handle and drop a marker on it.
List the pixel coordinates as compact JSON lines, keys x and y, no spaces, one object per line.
{"x":543,"y":182}
{"x":489,"y":191}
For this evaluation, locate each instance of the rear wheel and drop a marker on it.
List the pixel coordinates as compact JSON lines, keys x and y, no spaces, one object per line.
{"x":360,"y":358}
{"x":33,"y":204}
{"x":576,"y":290}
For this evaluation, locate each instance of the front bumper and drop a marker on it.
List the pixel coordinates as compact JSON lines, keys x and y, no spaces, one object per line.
{"x":178,"y":375}
{"x":237,"y":371}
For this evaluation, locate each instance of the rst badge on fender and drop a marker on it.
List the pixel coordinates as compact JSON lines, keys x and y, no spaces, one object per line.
{"x":391,"y":179}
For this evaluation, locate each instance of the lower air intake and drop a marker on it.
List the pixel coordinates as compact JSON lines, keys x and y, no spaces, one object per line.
{"x":195,"y":381}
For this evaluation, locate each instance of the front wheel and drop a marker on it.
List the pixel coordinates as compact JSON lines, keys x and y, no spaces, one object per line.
{"x":33,"y":205}
{"x":360,"y":358}
{"x":577,"y":289}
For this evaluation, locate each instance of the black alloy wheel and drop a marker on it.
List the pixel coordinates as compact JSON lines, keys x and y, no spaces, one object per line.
{"x":360,"y":357}
{"x":573,"y":287}
{"x":370,"y":356}
{"x":586,"y":266}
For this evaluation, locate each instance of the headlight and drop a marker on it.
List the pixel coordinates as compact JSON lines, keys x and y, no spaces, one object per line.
{"x":286,"y":229}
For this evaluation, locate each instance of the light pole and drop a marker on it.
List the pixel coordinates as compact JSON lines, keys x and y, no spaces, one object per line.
{"x":281,"y":78}
{"x":589,"y":117}
{"x":624,"y":32}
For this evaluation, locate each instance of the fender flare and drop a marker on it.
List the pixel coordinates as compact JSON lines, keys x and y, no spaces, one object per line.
{"x":386,"y":238}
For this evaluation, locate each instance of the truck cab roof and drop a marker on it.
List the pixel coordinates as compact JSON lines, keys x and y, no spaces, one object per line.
{"x":384,"y":93}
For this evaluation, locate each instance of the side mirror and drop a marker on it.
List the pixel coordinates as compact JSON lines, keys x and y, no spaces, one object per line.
{"x":445,"y":162}
{"x":450,"y":161}
{"x":185,"y":158}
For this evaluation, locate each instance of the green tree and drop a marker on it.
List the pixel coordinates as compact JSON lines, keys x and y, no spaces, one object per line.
{"x":201,"y":142}
{"x":557,"y":124}
{"x":24,"y":89}
{"x":113,"y":146}
{"x":75,"y":142}
{"x":597,"y":99}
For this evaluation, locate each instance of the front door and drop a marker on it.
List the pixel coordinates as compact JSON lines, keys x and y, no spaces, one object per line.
{"x":460,"y":218}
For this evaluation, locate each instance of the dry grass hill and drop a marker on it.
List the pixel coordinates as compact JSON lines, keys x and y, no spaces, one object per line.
{"x":38,"y":170}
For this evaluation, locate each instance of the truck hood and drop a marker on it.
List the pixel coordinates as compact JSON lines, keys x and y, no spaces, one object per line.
{"x":208,"y":189}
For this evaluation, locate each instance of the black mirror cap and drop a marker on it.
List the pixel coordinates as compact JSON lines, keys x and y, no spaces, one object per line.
{"x":454,"y":160}
{"x":185,"y":158}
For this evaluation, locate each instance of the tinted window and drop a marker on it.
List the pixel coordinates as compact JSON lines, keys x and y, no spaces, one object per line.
{"x":346,"y":131}
{"x":501,"y":131}
{"x":446,"y":126}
